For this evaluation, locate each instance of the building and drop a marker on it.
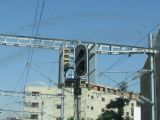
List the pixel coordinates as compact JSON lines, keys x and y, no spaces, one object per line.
{"x":146,"y":84}
{"x":45,"y":103}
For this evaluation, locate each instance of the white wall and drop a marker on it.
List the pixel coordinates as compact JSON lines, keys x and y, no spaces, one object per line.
{"x":137,"y":113}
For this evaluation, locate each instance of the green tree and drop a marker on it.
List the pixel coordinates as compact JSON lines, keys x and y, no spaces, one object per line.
{"x":110,"y":114}
{"x":118,"y":104}
{"x":71,"y":118}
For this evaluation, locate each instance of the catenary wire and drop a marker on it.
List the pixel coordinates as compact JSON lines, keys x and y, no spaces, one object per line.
{"x":32,"y":52}
{"x":117,"y":62}
{"x":122,"y":59}
{"x":29,"y":48}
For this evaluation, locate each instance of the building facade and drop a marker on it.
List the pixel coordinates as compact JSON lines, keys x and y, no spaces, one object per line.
{"x":45,"y":103}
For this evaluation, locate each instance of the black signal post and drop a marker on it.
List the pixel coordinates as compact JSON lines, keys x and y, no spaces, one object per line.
{"x":81,"y":70}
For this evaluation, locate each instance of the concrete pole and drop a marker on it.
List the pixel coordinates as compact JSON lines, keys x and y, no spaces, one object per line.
{"x":62,"y":104}
{"x":153,"y":85}
{"x":78,"y":107}
{"x":42,"y":110}
{"x":77,"y":99}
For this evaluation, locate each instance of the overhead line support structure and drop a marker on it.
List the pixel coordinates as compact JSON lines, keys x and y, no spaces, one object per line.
{"x":55,"y":44}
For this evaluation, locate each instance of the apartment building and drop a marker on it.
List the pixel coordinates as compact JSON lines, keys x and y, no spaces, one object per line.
{"x":45,"y":103}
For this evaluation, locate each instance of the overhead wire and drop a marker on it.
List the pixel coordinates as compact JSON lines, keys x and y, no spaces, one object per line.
{"x":146,"y":35}
{"x":108,"y":77}
{"x":133,"y":84}
{"x":45,"y":76}
{"x":113,"y":65}
{"x":126,"y":78}
{"x":118,"y":61}
{"x":29,"y":48}
{"x":22,"y":74}
{"x":29,"y":62}
{"x":41,"y":73}
{"x":33,"y":27}
{"x":51,"y":70}
{"x":26,"y":68}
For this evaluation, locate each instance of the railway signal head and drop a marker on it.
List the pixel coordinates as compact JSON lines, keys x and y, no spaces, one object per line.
{"x":81,"y":60}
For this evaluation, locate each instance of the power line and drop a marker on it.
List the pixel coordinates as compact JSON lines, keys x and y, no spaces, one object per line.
{"x":29,"y":62}
{"x":134,"y":84}
{"x":120,"y":72}
{"x":120,"y":60}
{"x":15,"y":89}
{"x":117,"y":62}
{"x":29,"y":49}
{"x":28,"y":52}
{"x":108,"y":77}
{"x":45,"y":76}
{"x":42,"y":74}
{"x":126,"y":78}
{"x":146,"y":35}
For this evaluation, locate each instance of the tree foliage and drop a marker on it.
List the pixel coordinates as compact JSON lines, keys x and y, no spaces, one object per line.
{"x":71,"y":118}
{"x":110,"y":113}
{"x":115,"y":109}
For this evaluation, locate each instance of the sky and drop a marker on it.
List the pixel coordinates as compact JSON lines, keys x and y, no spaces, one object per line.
{"x":108,"y":21}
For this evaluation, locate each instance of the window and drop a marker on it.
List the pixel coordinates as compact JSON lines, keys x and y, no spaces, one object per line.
{"x":103,"y":99}
{"x":92,"y":97}
{"x":127,"y":113}
{"x":103,"y":110}
{"x":98,"y":88}
{"x":35,"y":105}
{"x":58,"y":106}
{"x":132,"y":111}
{"x":104,"y":89}
{"x":34,"y":116}
{"x":132,"y":104}
{"x":42,"y":102}
{"x":91,"y":107}
{"x":35,"y":93}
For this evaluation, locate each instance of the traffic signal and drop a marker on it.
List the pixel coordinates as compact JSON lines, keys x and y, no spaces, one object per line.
{"x":81,"y":60}
{"x":66,"y":58}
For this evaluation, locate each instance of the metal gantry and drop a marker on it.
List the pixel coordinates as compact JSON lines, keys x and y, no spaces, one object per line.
{"x":55,"y":44}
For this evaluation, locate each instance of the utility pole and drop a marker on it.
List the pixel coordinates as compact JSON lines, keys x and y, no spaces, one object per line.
{"x":77,"y":98}
{"x":42,"y":103}
{"x":153,"y":80}
{"x":62,"y":104}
